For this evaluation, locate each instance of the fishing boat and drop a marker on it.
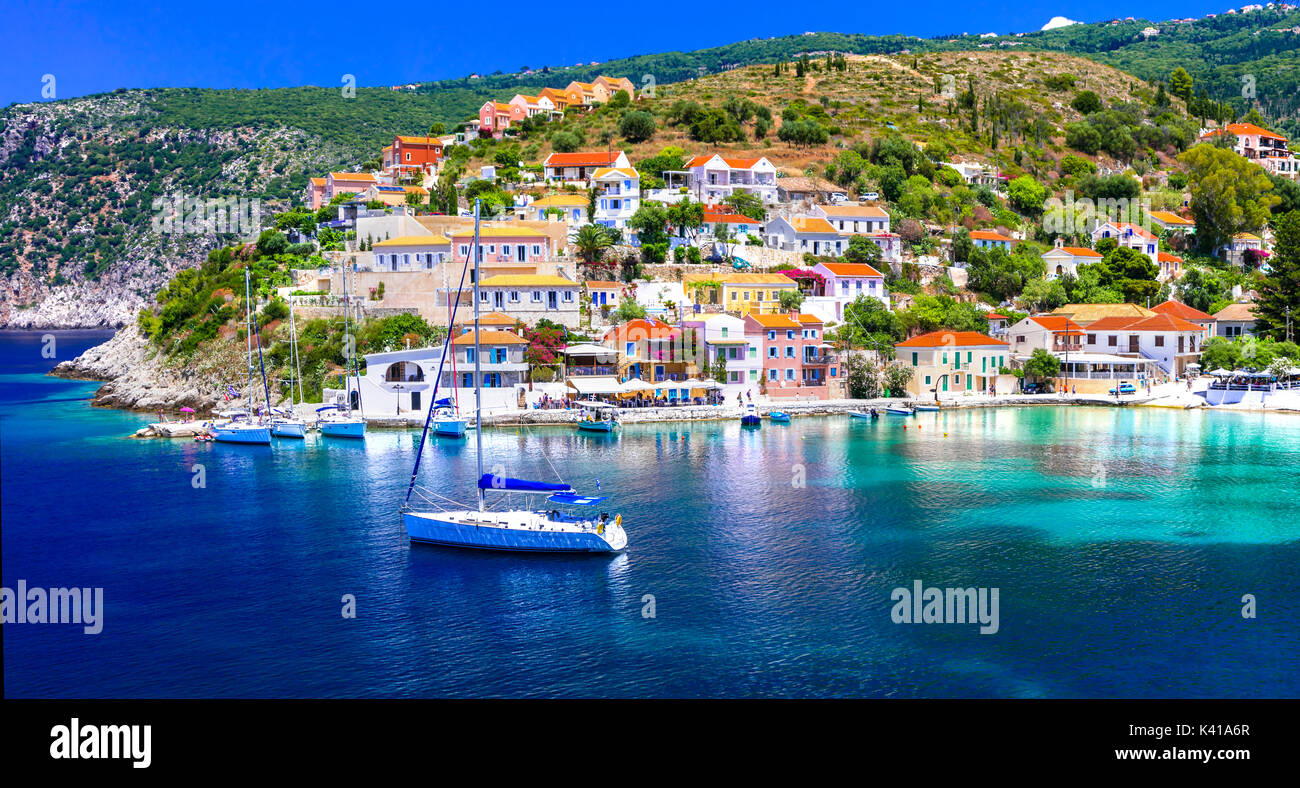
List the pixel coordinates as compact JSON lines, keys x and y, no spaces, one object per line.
{"x":864,"y":414}
{"x":446,"y":421}
{"x":749,"y":416}
{"x":529,"y":529}
{"x":920,"y":408}
{"x":337,"y":421}
{"x":779,"y":416}
{"x":597,"y":417}
{"x":900,"y":410}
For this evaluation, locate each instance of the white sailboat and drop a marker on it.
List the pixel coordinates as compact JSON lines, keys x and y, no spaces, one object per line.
{"x":285,"y":423}
{"x":337,"y":421}
{"x":242,"y":426}
{"x":527,"y":530}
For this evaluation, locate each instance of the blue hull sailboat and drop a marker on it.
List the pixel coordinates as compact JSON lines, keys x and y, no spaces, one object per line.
{"x":446,"y":422}
{"x":750,"y":417}
{"x":534,"y":530}
{"x":241,"y":427}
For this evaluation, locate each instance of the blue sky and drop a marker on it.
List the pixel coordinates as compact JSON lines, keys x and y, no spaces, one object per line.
{"x":95,"y":47}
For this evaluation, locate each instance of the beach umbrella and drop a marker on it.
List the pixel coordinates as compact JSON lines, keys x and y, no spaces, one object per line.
{"x":636,"y":384}
{"x":187,"y":410}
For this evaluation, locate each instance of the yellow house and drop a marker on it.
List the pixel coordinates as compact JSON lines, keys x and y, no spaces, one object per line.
{"x":739,"y":294}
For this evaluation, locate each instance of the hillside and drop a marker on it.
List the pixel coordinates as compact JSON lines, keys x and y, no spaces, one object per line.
{"x":1025,"y":96}
{"x":78,"y":177}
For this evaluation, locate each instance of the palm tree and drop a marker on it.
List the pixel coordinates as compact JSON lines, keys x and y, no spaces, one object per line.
{"x":591,"y":242}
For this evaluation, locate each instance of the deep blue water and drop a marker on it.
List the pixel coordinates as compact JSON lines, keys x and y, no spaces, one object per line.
{"x":1121,"y":541}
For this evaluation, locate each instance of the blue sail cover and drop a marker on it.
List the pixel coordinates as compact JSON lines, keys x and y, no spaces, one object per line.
{"x":329,"y":407}
{"x":490,"y":481}
{"x":573,"y":499}
{"x":445,"y":402}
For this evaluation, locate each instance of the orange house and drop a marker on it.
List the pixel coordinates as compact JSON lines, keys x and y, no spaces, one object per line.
{"x":408,"y":154}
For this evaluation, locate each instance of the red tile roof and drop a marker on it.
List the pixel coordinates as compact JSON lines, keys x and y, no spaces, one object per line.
{"x":851,"y":269}
{"x":954,"y":338}
{"x":583,"y":159}
{"x":1181,"y":310}
{"x":988,"y":235}
{"x":1157,"y":323}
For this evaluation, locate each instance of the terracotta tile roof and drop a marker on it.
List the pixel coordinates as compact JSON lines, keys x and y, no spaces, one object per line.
{"x":713,"y":217}
{"x":854,"y":210}
{"x":775,"y":321}
{"x":1236,"y":313}
{"x":756,"y":279}
{"x":413,"y":240}
{"x":353,"y":176}
{"x":419,"y":140}
{"x":487,"y":337}
{"x":1057,"y":323}
{"x":1157,"y":323}
{"x":995,"y":316}
{"x":1137,"y":230}
{"x":599,"y":285}
{"x":733,"y":163}
{"x":1077,"y":251}
{"x":626,"y":172}
{"x":954,"y":338}
{"x":1165,"y":257}
{"x":494,"y":319}
{"x":1172,"y":218}
{"x":525,"y":280}
{"x":851,"y":269}
{"x":811,"y":224}
{"x":989,"y":235}
{"x":598,"y":158}
{"x":1180,"y":310}
{"x":1246,"y":129}
{"x":1084,"y":314}
{"x":498,"y":232}
{"x":561,"y":200}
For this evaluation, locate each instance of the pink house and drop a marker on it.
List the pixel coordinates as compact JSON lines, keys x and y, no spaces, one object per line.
{"x":847,"y":281}
{"x":796,"y":363}
{"x":494,"y":118}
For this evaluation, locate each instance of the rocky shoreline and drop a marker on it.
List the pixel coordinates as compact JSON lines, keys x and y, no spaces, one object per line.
{"x":136,"y":377}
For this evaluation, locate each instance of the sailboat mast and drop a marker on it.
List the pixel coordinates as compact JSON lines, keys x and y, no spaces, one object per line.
{"x":478,"y":363}
{"x":248,"y":338}
{"x":347,"y":344}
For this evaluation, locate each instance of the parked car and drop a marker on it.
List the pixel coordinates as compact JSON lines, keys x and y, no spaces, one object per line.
{"x":1125,"y":388}
{"x":869,"y":196}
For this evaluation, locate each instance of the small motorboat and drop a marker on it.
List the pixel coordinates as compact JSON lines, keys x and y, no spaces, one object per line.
{"x":780,"y":416}
{"x":598,"y":417}
{"x":749,"y":417}
{"x":900,"y":410}
{"x":864,"y":414}
{"x":927,"y":407}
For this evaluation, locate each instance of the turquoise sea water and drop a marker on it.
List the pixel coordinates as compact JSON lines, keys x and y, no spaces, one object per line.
{"x":1121,"y":542}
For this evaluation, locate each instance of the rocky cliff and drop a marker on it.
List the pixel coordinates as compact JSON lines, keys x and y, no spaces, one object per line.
{"x":138,"y":377}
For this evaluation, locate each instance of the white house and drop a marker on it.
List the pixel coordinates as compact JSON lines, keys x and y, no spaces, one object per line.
{"x":1170,"y":341}
{"x":618,"y":195}
{"x":411,"y":253}
{"x":571,"y":208}
{"x":853,"y":219}
{"x":1129,"y":235}
{"x":531,"y":297}
{"x":1235,"y":320}
{"x":712,"y":178}
{"x":579,"y":166}
{"x":400,"y":382}
{"x":1062,"y":259}
{"x":804,"y":234}
{"x":722,"y":336}
{"x":845,"y":282}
